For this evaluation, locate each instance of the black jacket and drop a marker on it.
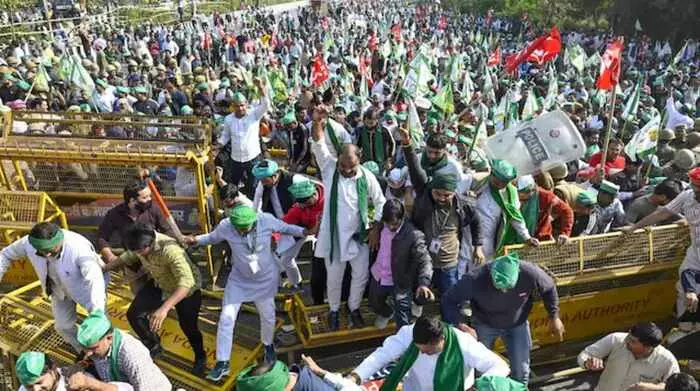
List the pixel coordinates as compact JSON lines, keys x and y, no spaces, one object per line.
{"x":286,"y":200}
{"x":411,"y":265}
{"x":424,"y":205}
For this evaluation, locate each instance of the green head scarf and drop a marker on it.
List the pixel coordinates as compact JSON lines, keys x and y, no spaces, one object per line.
{"x":93,"y":328}
{"x":239,"y":98}
{"x":372,"y":167}
{"x":265,"y":168}
{"x":302,"y":189}
{"x":503,"y":171}
{"x":587,"y":198}
{"x":47,"y":244}
{"x":288,"y":118}
{"x":275,"y":379}
{"x":29,"y":367}
{"x":505,"y":271}
{"x":498,"y":383}
{"x":243,"y":216}
{"x":444,"y":182}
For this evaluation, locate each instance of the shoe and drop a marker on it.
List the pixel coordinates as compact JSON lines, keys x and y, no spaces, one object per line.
{"x":220,"y":370}
{"x":156,"y":350}
{"x":270,"y":355}
{"x":333,"y":321}
{"x":356,"y":320}
{"x":199,"y":367}
{"x":381,"y":322}
{"x":416,"y":310}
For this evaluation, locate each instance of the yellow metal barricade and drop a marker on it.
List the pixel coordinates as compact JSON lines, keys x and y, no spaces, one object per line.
{"x":19,"y":212}
{"x":84,"y":161}
{"x":605,"y":283}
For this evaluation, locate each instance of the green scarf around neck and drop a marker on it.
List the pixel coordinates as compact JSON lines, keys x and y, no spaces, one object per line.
{"x":362,"y":194}
{"x":275,"y":379}
{"x":510,"y":213}
{"x":377,"y":147}
{"x":430,"y":167}
{"x":334,"y":137}
{"x":114,"y":371}
{"x":449,"y":371}
{"x":531,"y":212}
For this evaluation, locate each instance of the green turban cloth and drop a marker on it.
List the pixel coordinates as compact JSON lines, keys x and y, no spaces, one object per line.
{"x":498,"y":383}
{"x":29,"y":367}
{"x":372,"y":166}
{"x":503,"y":171}
{"x":23,"y":85}
{"x":123,"y":90}
{"x":243,"y":216}
{"x":505,"y":271}
{"x":275,"y":379}
{"x":202,"y":86}
{"x":302,"y":189}
{"x":46,"y":244}
{"x":265,"y":168}
{"x":239,"y":98}
{"x":587,"y":198}
{"x":93,"y":328}
{"x":288,"y":118}
{"x":140,"y":90}
{"x":444,"y":182}
{"x":186,"y":110}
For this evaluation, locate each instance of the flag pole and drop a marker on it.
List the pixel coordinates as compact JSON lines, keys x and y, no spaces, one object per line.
{"x":607,"y":133}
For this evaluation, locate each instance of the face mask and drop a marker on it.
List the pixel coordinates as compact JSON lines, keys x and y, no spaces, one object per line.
{"x":143,"y":206}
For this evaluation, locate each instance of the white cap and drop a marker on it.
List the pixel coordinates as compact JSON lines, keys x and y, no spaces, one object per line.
{"x":423,"y":103}
{"x":525,"y":182}
{"x":397,"y":178}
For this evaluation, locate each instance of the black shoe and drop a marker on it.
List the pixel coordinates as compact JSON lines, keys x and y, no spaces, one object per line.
{"x":200,"y":366}
{"x":356,"y":320}
{"x":333,"y":321}
{"x":270,"y":355}
{"x":156,"y":350}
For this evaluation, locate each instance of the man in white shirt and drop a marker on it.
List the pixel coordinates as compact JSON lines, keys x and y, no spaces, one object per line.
{"x":242,"y":130}
{"x":421,"y":347}
{"x":69,"y":270}
{"x":632,"y":361}
{"x":345,"y":223}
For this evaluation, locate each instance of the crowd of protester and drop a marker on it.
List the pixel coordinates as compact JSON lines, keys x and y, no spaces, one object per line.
{"x":401,"y":216}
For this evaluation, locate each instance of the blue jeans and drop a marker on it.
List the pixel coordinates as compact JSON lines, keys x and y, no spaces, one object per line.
{"x":443,"y":280}
{"x":378,"y":295}
{"x":518,"y":344}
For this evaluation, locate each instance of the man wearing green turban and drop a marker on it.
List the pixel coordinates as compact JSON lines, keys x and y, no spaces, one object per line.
{"x":254,"y":276}
{"x":498,"y":383}
{"x":117,"y":356}
{"x":69,"y":271}
{"x":272,"y":191}
{"x":498,"y":207}
{"x":501,"y":295}
{"x":241,"y":130}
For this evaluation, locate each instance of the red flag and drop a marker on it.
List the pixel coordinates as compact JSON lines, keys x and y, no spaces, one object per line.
{"x":396,"y":30}
{"x":443,"y":23}
{"x":319,"y":71}
{"x":610,"y":66}
{"x":545,"y":48}
{"x":549,"y":49}
{"x":495,"y":57}
{"x":372,"y":42}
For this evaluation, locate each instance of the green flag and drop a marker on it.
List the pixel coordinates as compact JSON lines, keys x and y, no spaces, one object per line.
{"x":467,"y":88}
{"x":531,"y":106}
{"x":632,"y":105}
{"x":552,"y":91}
{"x":278,"y":85}
{"x":643,"y":143}
{"x":414,"y":126}
{"x":577,"y":57}
{"x":444,"y":99}
{"x":41,"y":79}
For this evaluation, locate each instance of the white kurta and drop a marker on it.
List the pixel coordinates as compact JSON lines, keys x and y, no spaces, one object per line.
{"x":420,"y":376}
{"x":255,"y":271}
{"x":348,"y":213}
{"x":490,"y":216}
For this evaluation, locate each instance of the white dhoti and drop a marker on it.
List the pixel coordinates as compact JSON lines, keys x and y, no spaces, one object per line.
{"x":360,"y":275}
{"x":66,"y":318}
{"x":288,"y":249}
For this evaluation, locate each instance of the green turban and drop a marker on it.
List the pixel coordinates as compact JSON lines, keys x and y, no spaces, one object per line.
{"x":186,"y":110}
{"x":29,"y":367}
{"x":239,"y":98}
{"x":503,"y":170}
{"x":85,"y":107}
{"x":498,"y":383}
{"x":444,"y":182}
{"x":302,"y":189}
{"x":141,"y":90}
{"x":23,"y":85}
{"x":202,"y":86}
{"x":372,"y":167}
{"x":46,"y":244}
{"x":243,"y":216}
{"x":275,"y":379}
{"x":288,"y":118}
{"x":587,"y":198}
{"x":123,"y":90}
{"x":93,"y":328}
{"x":505,"y":271}
{"x":265,"y":168}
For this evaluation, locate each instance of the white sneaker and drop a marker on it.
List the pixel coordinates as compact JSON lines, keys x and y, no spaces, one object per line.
{"x":416,"y":310}
{"x":381,"y":322}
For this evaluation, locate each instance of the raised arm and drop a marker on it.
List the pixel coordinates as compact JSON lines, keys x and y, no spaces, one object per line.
{"x":12,"y":253}
{"x":392,"y":348}
{"x":419,"y":178}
